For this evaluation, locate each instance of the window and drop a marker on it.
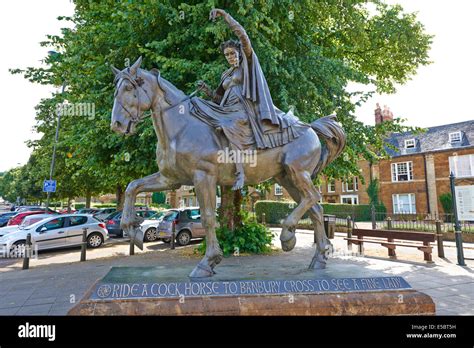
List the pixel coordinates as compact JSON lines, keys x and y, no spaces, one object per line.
{"x":404,"y":203}
{"x":77,"y":220}
{"x":402,"y":171}
{"x":171,"y":216}
{"x":352,"y":185}
{"x":462,"y":166}
{"x":278,"y":190}
{"x":332,"y":186}
{"x":53,"y":224}
{"x":455,"y":137}
{"x":350,"y":199}
{"x":193,"y":214}
{"x":410,"y":144}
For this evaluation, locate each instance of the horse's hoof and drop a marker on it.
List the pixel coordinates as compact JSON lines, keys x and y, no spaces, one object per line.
{"x":136,"y":235}
{"x":289,"y":244}
{"x":201,"y":271}
{"x":318,"y":265}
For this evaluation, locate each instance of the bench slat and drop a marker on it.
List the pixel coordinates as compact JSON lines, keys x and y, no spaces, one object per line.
{"x":400,"y":235}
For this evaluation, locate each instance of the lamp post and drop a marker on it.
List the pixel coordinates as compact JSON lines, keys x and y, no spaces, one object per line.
{"x":457,"y":225}
{"x":58,"y":110}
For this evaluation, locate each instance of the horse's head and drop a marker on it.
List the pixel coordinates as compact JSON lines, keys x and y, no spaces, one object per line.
{"x":133,"y":96}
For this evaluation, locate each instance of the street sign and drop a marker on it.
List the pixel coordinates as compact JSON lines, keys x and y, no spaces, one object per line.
{"x":49,"y":186}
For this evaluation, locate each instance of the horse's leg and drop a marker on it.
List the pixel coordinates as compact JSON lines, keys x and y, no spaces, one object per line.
{"x":316,"y":215}
{"x":205,"y":186}
{"x":300,"y":179}
{"x":130,"y":222}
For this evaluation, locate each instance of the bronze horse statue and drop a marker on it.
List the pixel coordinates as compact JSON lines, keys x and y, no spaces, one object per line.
{"x":187,"y":154}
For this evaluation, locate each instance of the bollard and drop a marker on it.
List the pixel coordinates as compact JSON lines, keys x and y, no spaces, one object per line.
{"x":389,"y":223}
{"x":84,"y":244}
{"x":26,"y":256}
{"x":439,"y":239}
{"x":372,"y":215}
{"x":173,"y":234}
{"x":263,"y":219}
{"x":132,"y":247}
{"x":349,"y":232}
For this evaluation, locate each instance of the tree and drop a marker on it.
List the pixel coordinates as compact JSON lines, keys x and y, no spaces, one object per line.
{"x":309,"y":52}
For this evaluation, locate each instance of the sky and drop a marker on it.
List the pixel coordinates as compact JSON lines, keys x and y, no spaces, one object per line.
{"x":438,"y":94}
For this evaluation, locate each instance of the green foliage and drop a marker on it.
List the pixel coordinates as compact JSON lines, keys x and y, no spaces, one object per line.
{"x":158,"y":197}
{"x":309,"y":51}
{"x":373,"y":191}
{"x":446,"y":200}
{"x":252,"y":238}
{"x":275,"y":211}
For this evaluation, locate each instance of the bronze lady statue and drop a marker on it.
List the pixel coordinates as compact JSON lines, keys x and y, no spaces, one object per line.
{"x":242,"y":106}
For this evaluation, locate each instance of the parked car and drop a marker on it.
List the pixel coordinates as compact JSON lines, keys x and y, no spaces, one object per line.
{"x":64,"y":211}
{"x":34,"y":208}
{"x":113,"y":221}
{"x":27,"y":221}
{"x":5,"y":217}
{"x":56,"y":232}
{"x":150,"y":226}
{"x":91,"y":211}
{"x":18,"y":218}
{"x":187,"y":223}
{"x":103,"y":213}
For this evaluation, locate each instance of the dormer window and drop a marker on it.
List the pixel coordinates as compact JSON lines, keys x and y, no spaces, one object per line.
{"x":455,"y":137}
{"x":410,"y":144}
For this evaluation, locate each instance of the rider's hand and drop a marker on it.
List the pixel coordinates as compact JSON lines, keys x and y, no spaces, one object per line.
{"x":202,"y":85}
{"x":216,"y":13}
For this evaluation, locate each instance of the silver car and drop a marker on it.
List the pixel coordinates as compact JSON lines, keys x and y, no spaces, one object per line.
{"x":56,"y":231}
{"x":188,"y":225}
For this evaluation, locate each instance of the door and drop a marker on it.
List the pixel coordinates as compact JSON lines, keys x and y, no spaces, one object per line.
{"x":51,"y":234}
{"x":74,"y":229}
{"x":194,"y":217}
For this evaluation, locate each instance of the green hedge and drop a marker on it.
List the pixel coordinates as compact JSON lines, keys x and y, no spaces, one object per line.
{"x":275,"y":211}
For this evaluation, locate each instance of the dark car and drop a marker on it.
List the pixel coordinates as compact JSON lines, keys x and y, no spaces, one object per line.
{"x":5,"y":217}
{"x":90,"y":211}
{"x":113,"y":221}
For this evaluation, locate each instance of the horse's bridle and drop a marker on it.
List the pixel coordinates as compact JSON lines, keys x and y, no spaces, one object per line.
{"x":136,"y":82}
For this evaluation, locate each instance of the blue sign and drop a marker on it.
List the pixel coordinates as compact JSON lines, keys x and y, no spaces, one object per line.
{"x":49,"y":186}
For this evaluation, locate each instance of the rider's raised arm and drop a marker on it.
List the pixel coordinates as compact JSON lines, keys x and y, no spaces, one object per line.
{"x":241,"y":34}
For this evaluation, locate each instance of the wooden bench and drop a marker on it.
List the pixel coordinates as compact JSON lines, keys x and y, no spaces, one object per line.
{"x":387,"y":239}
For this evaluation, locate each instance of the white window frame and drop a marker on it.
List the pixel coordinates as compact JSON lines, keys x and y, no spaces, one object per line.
{"x":411,"y":203}
{"x":330,"y":183}
{"x":410,"y":143}
{"x":355,"y":185}
{"x":456,"y":135}
{"x":454,"y":164}
{"x":278,"y":190}
{"x":352,"y":197}
{"x":395,"y":171}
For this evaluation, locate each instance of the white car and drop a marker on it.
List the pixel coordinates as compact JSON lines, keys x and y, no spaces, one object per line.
{"x":27,"y":221}
{"x":150,"y":226}
{"x":56,"y":231}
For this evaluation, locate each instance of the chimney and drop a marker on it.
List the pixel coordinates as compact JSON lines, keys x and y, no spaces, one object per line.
{"x":378,"y":114}
{"x":382,"y":116}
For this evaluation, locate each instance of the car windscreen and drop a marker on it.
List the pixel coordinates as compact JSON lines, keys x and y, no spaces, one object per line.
{"x":30,"y":220}
{"x":170,"y":216}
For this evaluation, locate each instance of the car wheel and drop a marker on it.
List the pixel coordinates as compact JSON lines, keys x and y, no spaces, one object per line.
{"x":95,"y":240}
{"x":18,"y":249}
{"x":167,"y":240}
{"x":151,"y":235}
{"x":183,"y":238}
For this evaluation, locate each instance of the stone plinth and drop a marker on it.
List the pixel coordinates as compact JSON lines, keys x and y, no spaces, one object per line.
{"x":138,"y":291}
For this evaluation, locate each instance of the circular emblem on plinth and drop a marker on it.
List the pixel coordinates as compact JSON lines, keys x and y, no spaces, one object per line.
{"x":104,"y":290}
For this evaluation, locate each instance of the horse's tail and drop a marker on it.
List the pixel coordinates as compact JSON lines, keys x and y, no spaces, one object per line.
{"x":334,"y":138}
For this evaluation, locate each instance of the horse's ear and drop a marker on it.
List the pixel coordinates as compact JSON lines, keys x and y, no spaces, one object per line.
{"x":114,"y":70}
{"x":136,"y":65}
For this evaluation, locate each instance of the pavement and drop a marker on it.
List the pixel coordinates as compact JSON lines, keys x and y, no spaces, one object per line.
{"x":56,"y":281}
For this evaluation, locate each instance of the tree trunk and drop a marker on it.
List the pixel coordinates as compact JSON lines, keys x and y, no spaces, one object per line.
{"x":69,"y":199}
{"x":237,"y":207}
{"x":226,"y":210}
{"x":88,"y":199}
{"x":120,"y":196}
